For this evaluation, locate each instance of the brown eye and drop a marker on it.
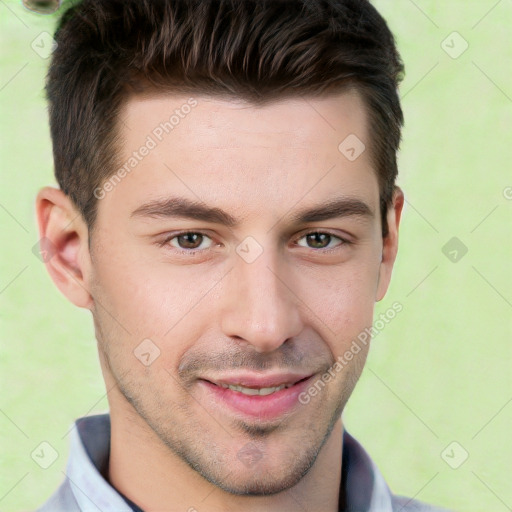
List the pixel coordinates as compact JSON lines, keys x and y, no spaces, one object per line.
{"x":189,"y":240}
{"x":320,"y":240}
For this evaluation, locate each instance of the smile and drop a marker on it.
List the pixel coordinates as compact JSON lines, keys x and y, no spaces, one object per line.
{"x":271,"y":398}
{"x":255,"y":391}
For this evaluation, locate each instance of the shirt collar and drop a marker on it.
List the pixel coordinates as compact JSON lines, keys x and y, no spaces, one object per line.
{"x":362,"y":486}
{"x":88,"y":462}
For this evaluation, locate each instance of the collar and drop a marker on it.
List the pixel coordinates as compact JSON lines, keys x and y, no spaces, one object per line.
{"x":362,"y":486}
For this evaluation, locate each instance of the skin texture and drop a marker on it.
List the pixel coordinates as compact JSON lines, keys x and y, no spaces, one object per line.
{"x":296,"y":307}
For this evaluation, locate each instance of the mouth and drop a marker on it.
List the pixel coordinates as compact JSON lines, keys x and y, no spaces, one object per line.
{"x":262,"y":397}
{"x":255,"y":391}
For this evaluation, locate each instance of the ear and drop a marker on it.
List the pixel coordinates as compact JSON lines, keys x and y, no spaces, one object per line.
{"x":390,"y":243}
{"x":64,"y":245}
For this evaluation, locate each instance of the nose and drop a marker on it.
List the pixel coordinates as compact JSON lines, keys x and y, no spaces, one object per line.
{"x":259,"y":307}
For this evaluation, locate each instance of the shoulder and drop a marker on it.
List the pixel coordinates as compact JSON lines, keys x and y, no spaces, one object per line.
{"x":62,"y":500}
{"x":404,"y":504}
{"x":365,"y":487}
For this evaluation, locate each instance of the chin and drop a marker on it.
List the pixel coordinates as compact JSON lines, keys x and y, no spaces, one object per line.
{"x":266,"y":485}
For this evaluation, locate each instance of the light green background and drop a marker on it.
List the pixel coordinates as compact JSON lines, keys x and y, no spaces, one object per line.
{"x":439,"y":372}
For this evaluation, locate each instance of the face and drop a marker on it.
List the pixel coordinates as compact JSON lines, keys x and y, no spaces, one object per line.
{"x":241,"y":253}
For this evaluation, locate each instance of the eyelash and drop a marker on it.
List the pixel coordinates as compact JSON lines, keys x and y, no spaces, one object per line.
{"x":167,"y":240}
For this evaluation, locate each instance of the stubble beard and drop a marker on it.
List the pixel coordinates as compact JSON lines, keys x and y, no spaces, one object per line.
{"x":200,"y":452}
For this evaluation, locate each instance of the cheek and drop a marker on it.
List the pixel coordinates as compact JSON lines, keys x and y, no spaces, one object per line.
{"x":151,"y":299}
{"x":341,"y":299}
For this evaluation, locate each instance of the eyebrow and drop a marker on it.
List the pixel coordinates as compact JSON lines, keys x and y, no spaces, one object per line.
{"x":182,"y":207}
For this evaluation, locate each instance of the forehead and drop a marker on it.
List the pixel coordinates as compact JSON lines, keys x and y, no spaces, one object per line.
{"x":232,"y":123}
{"x":243,"y":157}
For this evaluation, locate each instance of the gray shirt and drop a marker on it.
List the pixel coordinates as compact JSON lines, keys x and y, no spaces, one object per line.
{"x":85,"y":489}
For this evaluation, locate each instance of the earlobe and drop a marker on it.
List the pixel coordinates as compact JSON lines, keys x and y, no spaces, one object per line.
{"x":390,"y":244}
{"x":64,"y":245}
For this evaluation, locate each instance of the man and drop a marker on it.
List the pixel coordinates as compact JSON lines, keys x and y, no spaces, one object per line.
{"x":228,"y":212}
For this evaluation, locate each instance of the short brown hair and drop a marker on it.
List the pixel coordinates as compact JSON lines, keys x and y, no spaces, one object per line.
{"x":257,"y":50}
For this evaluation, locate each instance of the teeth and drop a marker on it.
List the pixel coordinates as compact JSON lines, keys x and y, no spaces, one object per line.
{"x":254,"y":391}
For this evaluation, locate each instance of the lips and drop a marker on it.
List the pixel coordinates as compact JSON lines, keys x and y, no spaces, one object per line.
{"x":249,"y":380}
{"x":263,"y":396}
